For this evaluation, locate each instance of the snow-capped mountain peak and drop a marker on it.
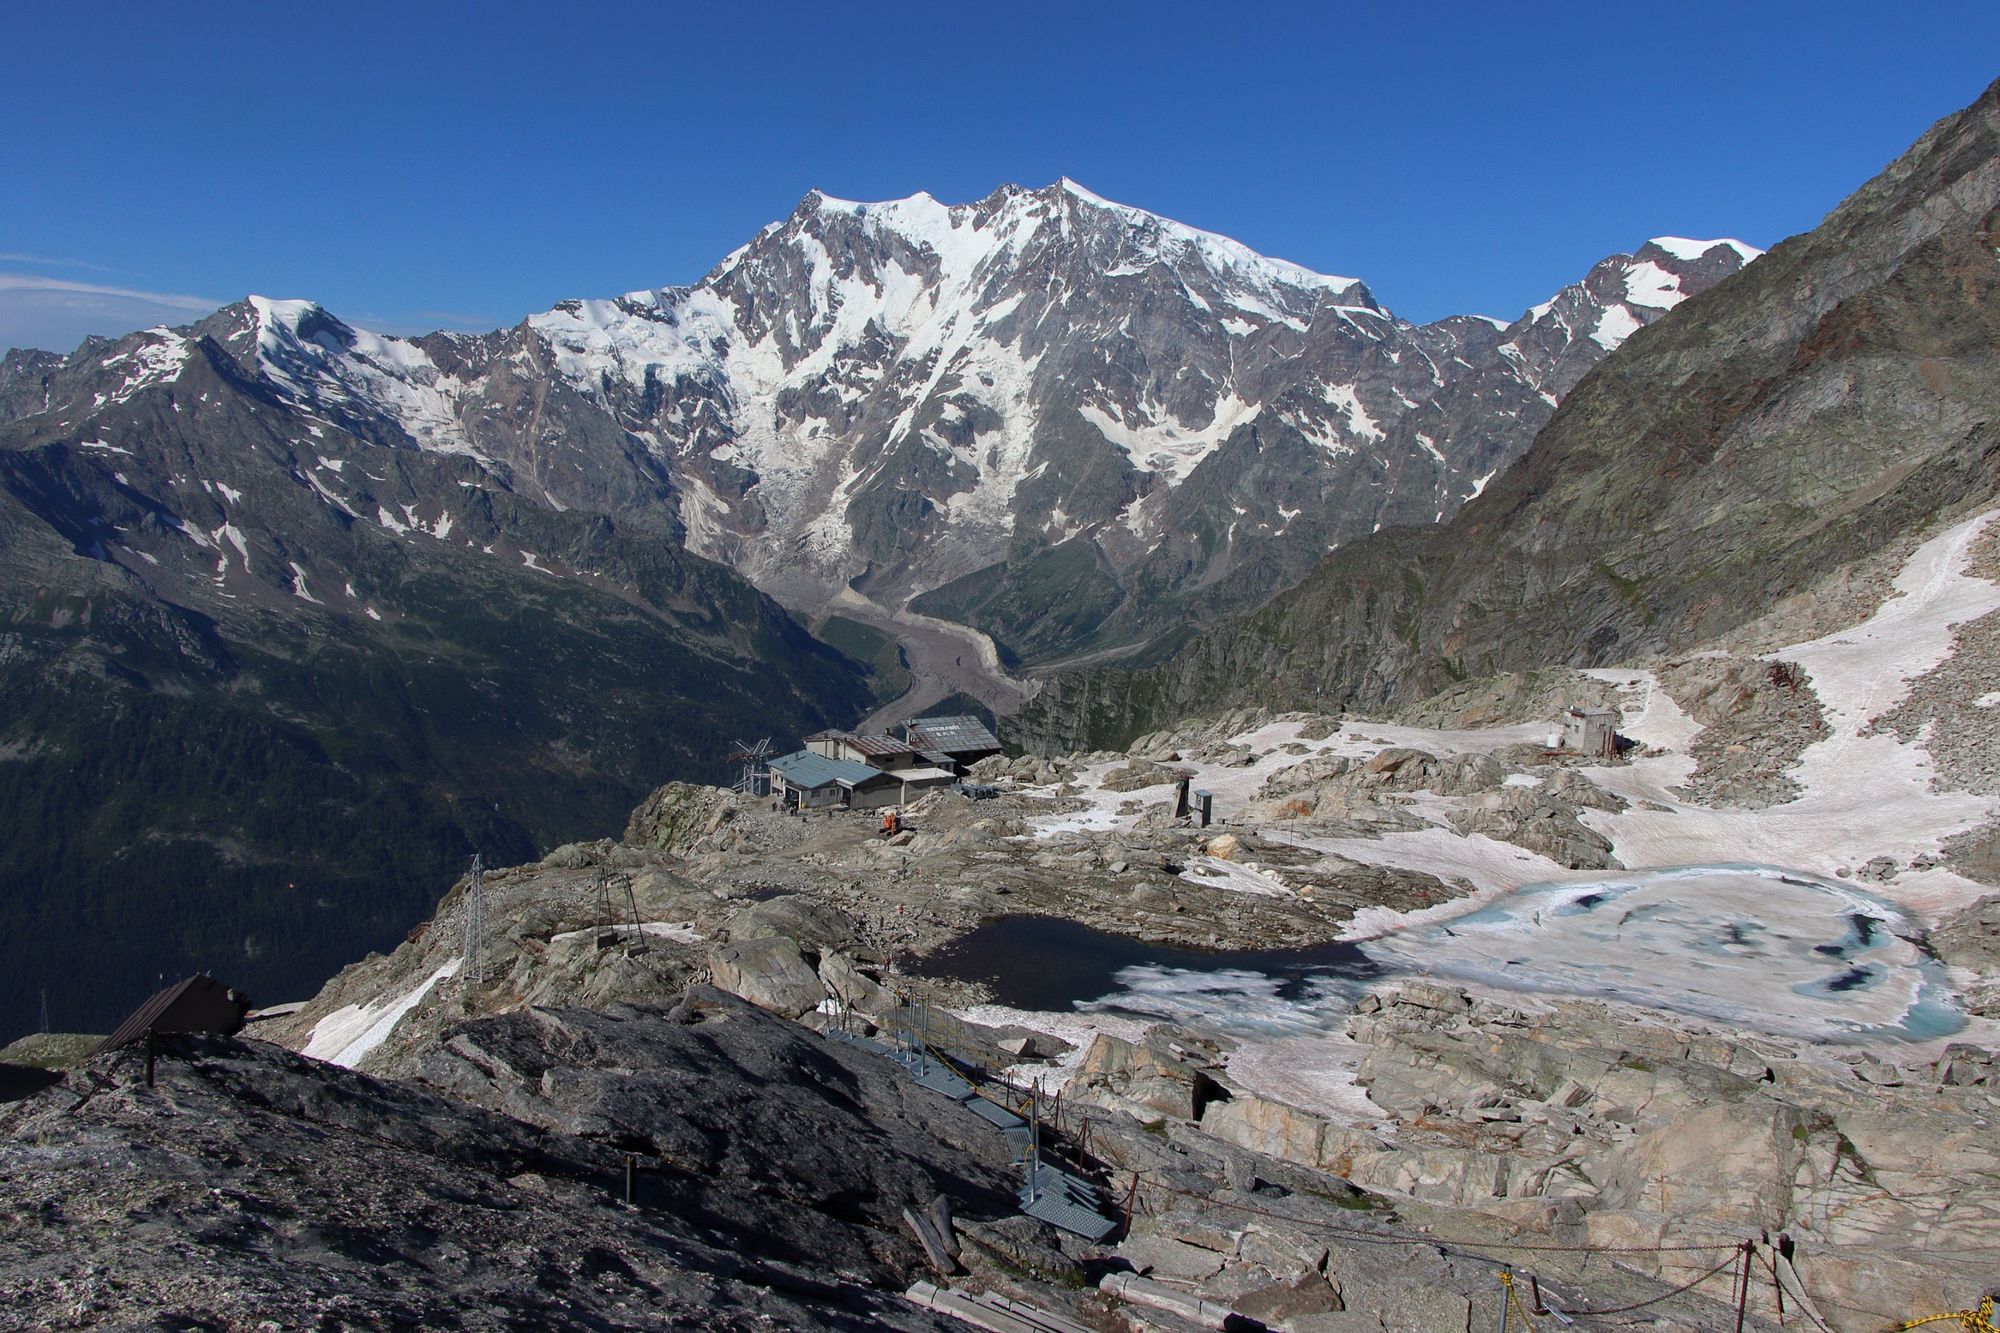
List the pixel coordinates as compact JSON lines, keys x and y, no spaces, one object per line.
{"x":366,"y":382}
{"x":1680,"y":247}
{"x":897,"y":397}
{"x":905,"y":392}
{"x":1220,"y":253}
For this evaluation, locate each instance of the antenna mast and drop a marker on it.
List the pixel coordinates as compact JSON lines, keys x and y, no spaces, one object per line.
{"x":475,"y":926}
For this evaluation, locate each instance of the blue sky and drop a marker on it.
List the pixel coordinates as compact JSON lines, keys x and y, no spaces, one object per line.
{"x":419,"y":166}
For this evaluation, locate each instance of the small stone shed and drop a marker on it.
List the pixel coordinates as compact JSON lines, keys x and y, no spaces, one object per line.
{"x":1591,"y":731}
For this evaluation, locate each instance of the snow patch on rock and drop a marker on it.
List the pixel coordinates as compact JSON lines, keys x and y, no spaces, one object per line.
{"x":347,"y":1035}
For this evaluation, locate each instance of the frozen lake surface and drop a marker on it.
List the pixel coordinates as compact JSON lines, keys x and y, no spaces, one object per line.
{"x":1755,"y":947}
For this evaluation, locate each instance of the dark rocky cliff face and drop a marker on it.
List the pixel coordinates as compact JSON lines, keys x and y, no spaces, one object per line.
{"x":1835,"y":395}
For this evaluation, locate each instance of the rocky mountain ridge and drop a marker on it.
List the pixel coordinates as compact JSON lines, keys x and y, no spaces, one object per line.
{"x":979,"y":402}
{"x":1749,"y":448}
{"x":1361,"y":1159}
{"x":1398,"y":1020}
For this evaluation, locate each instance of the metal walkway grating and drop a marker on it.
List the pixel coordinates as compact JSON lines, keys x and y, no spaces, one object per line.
{"x":1048,"y":1193}
{"x":1063,"y":1200}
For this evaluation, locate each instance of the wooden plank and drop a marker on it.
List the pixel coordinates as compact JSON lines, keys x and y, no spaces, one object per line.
{"x":992,"y":1312}
{"x":941,"y":1222}
{"x":927,"y":1236}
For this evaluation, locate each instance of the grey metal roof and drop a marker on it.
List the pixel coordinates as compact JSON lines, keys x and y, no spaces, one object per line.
{"x":954,"y":735}
{"x":812,"y":771}
{"x":877,"y":744}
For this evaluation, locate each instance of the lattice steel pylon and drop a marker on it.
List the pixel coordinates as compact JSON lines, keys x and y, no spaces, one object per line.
{"x":752,"y":758}
{"x":612,"y":930}
{"x":475,"y":925}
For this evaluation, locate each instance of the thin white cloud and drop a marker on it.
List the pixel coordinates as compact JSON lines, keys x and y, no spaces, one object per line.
{"x":57,"y":313}
{"x":36,"y":282}
{"x":10,"y":257}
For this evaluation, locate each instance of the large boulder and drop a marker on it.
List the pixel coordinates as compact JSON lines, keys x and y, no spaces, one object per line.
{"x":1730,"y":1166}
{"x":1146,"y":1079}
{"x":1971,"y":939}
{"x":770,"y":972}
{"x":1278,"y":1130}
{"x":813,"y":925}
{"x":851,"y":986}
{"x":1435,"y":1175}
{"x":1264,"y":1126}
{"x":1468,"y":774}
{"x":1141,"y":773}
{"x":661,"y":895}
{"x":1306,"y":775}
{"x":1280,"y":1304}
{"x":1539,"y":821}
{"x":1385,"y":763}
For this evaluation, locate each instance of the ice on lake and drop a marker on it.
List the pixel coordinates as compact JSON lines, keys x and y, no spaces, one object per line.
{"x":1751,"y":945}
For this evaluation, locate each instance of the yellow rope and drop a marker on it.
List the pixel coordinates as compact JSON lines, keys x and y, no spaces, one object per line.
{"x":1972,"y":1321}
{"x":1514,"y":1300}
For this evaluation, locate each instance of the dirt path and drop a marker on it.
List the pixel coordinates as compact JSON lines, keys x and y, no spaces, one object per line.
{"x":944,"y":659}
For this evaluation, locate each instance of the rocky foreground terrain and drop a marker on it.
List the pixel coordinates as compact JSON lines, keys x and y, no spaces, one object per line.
{"x":1484,"y":1071}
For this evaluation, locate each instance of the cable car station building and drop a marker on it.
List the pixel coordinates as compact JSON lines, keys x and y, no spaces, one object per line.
{"x":845,"y":770}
